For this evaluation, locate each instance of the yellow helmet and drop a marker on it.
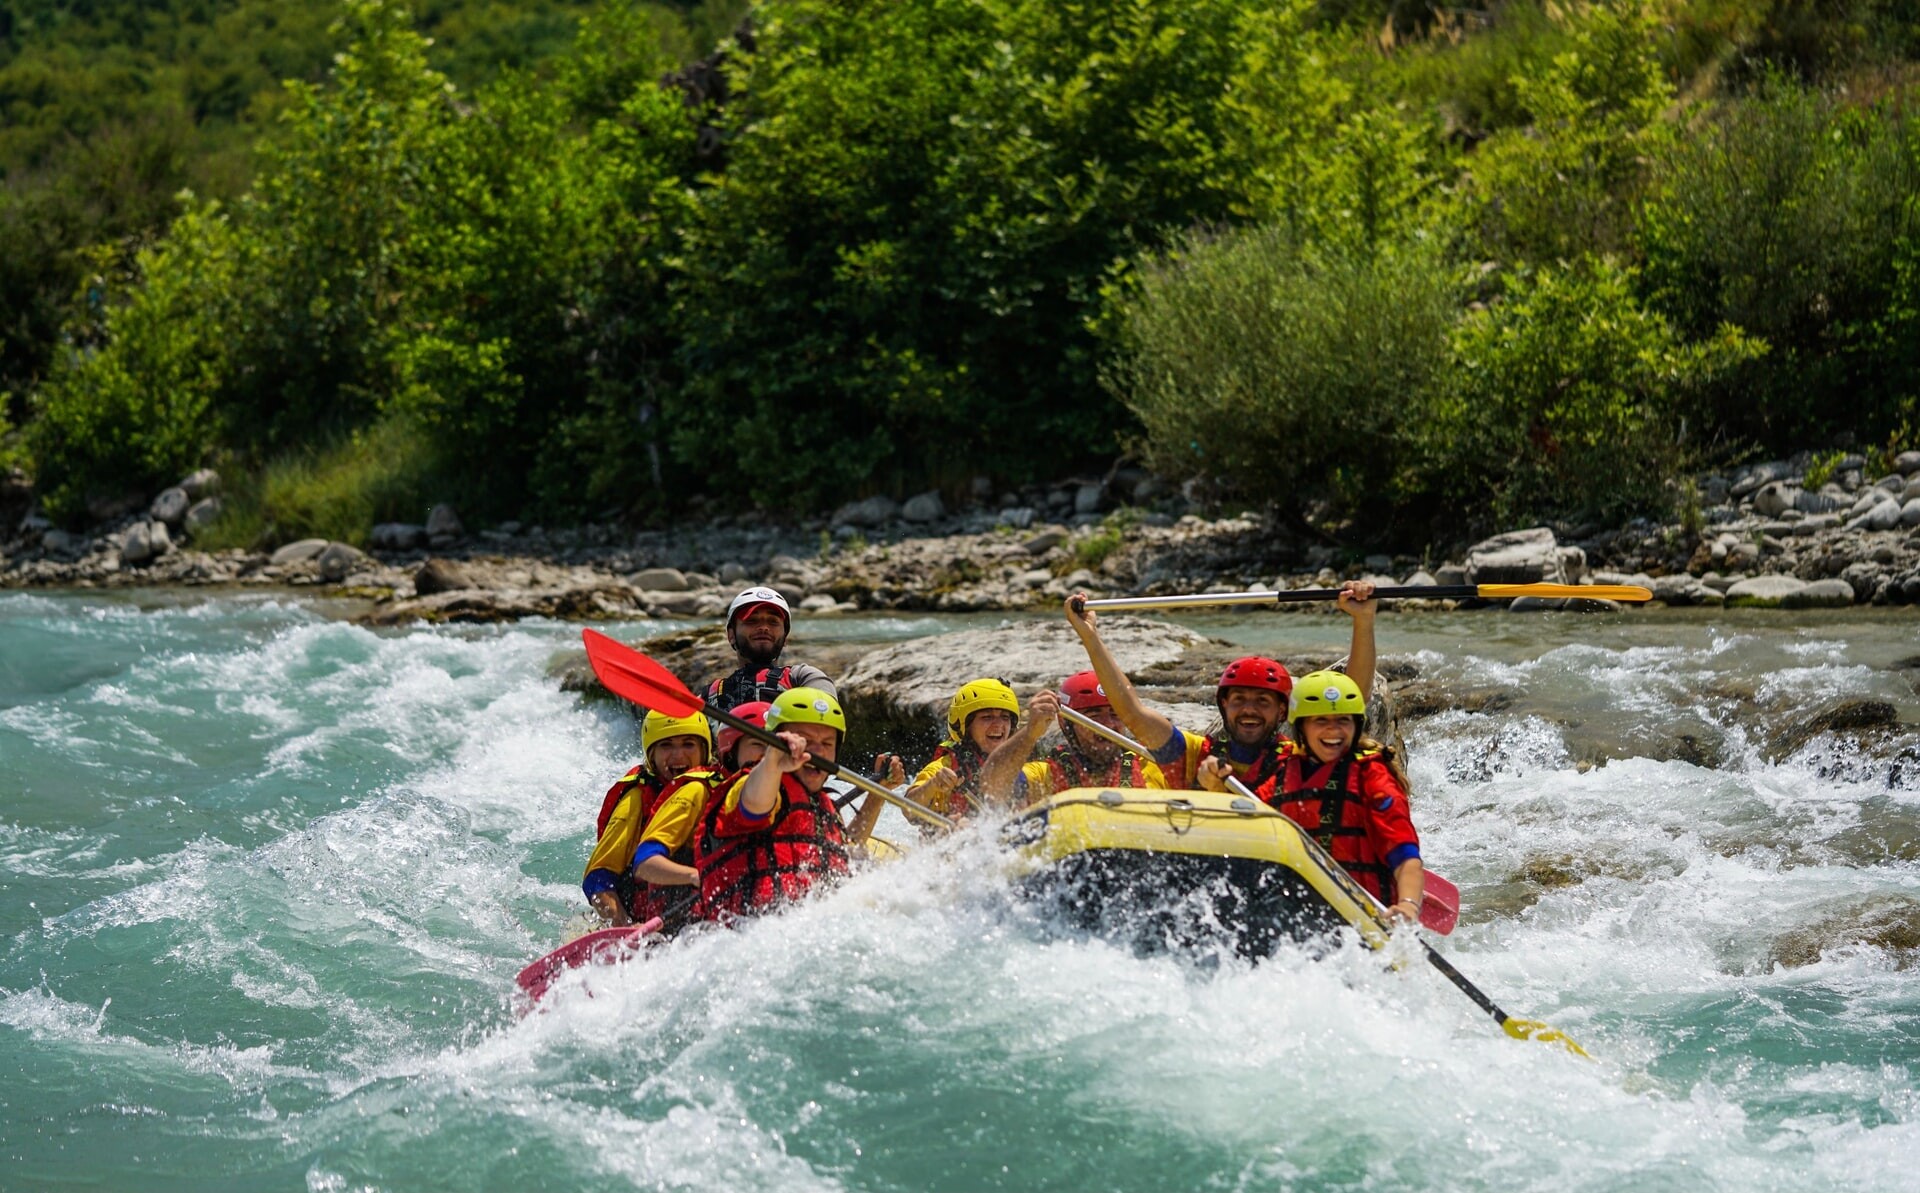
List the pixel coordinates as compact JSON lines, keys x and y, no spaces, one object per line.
{"x":976,"y":696}
{"x":1326,"y":694}
{"x":806,"y":706}
{"x":658,"y":727}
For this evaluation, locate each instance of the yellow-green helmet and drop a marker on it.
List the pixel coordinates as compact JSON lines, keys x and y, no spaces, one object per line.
{"x":975,"y":696}
{"x":1326,"y":694}
{"x":806,"y":706}
{"x":658,"y":727}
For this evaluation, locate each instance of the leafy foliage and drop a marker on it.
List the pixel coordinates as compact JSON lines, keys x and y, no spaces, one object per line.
{"x":893,"y":278}
{"x":1794,"y":217}
{"x":1401,"y":269}
{"x":1567,"y":399}
{"x":1290,"y":372}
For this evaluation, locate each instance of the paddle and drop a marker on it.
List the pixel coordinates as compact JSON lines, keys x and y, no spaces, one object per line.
{"x":633,"y":676}
{"x":1519,"y":1029}
{"x":1430,"y":592}
{"x":1439,"y":911}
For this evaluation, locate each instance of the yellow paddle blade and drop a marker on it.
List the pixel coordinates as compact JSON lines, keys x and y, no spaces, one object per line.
{"x":1590,"y":592}
{"x":1533,"y":1029}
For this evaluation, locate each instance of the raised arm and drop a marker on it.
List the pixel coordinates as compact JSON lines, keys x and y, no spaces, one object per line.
{"x":1148,"y":728}
{"x":1002,"y":767}
{"x":1357,"y":601}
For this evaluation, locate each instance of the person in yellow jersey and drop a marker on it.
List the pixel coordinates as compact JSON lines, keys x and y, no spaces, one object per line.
{"x":981,"y":718}
{"x":663,"y":860}
{"x":1082,"y":759}
{"x":1252,"y":697}
{"x":674,"y":748}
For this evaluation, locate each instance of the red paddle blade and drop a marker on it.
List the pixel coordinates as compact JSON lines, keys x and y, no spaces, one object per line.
{"x":605,"y":944}
{"x":633,"y":676}
{"x":1440,"y":911}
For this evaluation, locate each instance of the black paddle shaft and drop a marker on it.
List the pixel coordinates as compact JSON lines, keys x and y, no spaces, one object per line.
{"x":1431,"y":592}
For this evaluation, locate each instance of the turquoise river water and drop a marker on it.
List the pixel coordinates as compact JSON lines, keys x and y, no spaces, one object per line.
{"x":265,"y":879}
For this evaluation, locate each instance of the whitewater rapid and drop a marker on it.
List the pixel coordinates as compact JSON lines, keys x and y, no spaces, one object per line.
{"x":268,"y":876}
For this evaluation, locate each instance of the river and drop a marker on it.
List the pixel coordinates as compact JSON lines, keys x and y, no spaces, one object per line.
{"x":267,"y":877}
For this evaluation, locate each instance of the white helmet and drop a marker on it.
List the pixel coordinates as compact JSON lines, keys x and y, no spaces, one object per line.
{"x":744,"y":603}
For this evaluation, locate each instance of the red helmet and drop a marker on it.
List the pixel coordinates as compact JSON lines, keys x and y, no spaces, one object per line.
{"x":1254,"y":672}
{"x":1082,"y":691}
{"x":754,"y":713}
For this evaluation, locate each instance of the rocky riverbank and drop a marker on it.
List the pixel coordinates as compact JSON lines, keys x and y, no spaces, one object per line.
{"x":1766,"y":535}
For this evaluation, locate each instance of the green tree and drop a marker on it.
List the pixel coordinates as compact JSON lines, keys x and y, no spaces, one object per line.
{"x":891,"y":283}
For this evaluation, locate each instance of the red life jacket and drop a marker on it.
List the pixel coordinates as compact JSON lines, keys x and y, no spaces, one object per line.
{"x":1067,"y":767}
{"x":638,"y":777}
{"x":1266,"y":764}
{"x":745,"y":687}
{"x":1334,"y":814}
{"x":753,"y":872}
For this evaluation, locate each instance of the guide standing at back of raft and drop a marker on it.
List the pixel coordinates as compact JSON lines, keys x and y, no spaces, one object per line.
{"x":1252,"y":697}
{"x":758,"y":622}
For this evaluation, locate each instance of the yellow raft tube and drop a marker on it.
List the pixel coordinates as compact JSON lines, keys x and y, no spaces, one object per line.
{"x":1168,"y":869}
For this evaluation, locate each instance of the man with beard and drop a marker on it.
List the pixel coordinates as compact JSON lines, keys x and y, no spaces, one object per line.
{"x":1251,"y":696}
{"x":758,"y":621}
{"x":1082,"y":759}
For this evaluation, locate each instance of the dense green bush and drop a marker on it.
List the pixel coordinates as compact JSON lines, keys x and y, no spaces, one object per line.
{"x":1287,"y":372}
{"x":133,"y":403}
{"x":1565,"y":184}
{"x":890,"y":284}
{"x":477,"y":266}
{"x":1567,"y":399}
{"x":1794,"y":217}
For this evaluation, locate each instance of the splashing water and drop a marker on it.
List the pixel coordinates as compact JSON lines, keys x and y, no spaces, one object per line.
{"x":267,"y":878}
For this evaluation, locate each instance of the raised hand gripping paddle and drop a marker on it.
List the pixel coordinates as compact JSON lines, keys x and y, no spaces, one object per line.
{"x":633,"y":676}
{"x":1519,"y":1029}
{"x":1430,"y":592}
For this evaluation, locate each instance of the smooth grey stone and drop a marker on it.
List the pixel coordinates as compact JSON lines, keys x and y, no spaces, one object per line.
{"x":299,"y":552}
{"x":442,"y":521}
{"x":145,"y":541}
{"x":1821,"y":594}
{"x":660,"y":580}
{"x":170,"y":506}
{"x":1765,"y":592}
{"x":203,"y":513}
{"x":924,"y":507}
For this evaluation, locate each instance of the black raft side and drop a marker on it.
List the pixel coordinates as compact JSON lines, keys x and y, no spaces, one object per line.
{"x":1158,"y":902}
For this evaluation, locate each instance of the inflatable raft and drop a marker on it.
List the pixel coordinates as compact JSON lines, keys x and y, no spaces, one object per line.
{"x":1180,"y":869}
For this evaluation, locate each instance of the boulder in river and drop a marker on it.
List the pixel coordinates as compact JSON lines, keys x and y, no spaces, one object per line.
{"x":439,"y":575}
{"x":202,"y":514}
{"x":659,"y":580}
{"x":203,"y":483}
{"x":1822,"y":594}
{"x":338,"y":561}
{"x":170,"y":507}
{"x":146,"y":542}
{"x":1517,"y":557}
{"x":873,"y":511}
{"x":298,"y":552}
{"x":924,"y":507}
{"x":1764,"y":592}
{"x":444,"y":523}
{"x":397,"y":536}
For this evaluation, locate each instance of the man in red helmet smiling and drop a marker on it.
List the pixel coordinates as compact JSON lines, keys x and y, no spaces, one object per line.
{"x":1252,"y":698}
{"x":1082,"y":759}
